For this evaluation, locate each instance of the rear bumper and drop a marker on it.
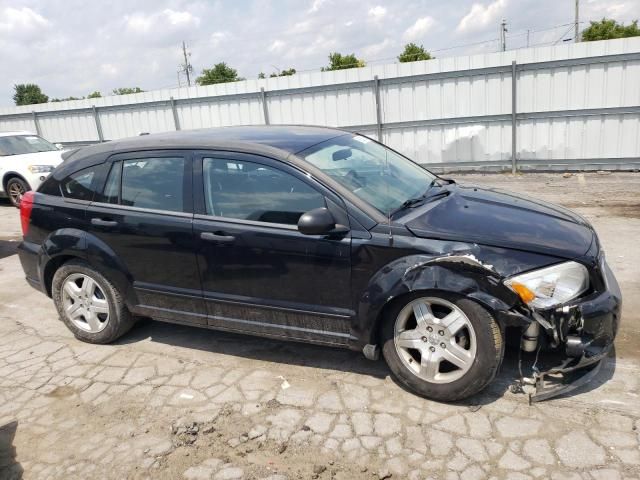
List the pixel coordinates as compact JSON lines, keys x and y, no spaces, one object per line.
{"x":585,"y":330}
{"x":28,"y":253}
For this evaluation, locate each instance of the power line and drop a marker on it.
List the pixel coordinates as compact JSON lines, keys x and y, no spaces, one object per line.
{"x":528,"y":32}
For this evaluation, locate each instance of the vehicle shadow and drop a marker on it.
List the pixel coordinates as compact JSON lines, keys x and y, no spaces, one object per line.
{"x":336,"y":359}
{"x":10,"y":469}
{"x":8,"y":248}
{"x":299,"y":354}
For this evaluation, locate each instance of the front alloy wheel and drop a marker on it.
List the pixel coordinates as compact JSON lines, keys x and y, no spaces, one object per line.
{"x":440,"y":346}
{"x":435,"y":340}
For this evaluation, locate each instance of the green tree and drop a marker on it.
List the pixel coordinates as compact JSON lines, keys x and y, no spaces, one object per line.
{"x":607,"y":29}
{"x":413,"y":53}
{"x":95,"y":94}
{"x":261,"y":75}
{"x":284,"y":73}
{"x":337,"y":61}
{"x":220,"y":73}
{"x":28,"y":94}
{"x":126,"y":90}
{"x":65,"y":99}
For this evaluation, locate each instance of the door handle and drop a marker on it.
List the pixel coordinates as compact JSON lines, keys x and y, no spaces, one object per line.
{"x":99,"y":222}
{"x":215,"y":237}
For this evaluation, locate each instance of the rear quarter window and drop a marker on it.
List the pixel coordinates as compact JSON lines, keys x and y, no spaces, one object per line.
{"x":80,"y":185}
{"x":50,"y":186}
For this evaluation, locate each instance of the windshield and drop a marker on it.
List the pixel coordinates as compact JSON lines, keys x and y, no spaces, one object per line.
{"x":373,"y":172}
{"x":20,"y":144}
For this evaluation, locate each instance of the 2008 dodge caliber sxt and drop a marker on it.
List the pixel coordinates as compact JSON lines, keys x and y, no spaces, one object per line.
{"x":322,"y":236}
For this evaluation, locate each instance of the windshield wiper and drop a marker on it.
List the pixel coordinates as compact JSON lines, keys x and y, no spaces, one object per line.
{"x":411,"y":202}
{"x":407,"y":204}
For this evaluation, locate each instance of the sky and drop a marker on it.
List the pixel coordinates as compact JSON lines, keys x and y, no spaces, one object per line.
{"x":74,"y":47}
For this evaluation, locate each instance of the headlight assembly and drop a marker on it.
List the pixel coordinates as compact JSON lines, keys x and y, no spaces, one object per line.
{"x":40,"y":168}
{"x":550,"y":286}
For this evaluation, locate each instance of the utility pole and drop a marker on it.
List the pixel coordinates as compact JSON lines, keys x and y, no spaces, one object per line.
{"x":186,"y":67}
{"x":577,"y":22}
{"x":528,"y":32}
{"x":503,"y":36}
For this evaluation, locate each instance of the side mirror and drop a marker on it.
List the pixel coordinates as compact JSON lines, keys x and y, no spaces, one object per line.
{"x":319,"y":221}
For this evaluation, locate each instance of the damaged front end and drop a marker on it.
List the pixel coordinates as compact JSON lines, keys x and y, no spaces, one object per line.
{"x":578,"y":335}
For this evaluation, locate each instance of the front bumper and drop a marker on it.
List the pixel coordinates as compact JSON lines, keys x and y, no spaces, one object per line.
{"x":584,"y":331}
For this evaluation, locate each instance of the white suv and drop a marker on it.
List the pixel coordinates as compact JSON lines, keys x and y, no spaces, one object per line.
{"x":25,"y":161}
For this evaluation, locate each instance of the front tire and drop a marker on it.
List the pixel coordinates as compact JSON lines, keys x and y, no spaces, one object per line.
{"x":16,"y":188}
{"x":88,"y":304}
{"x":441,"y":347}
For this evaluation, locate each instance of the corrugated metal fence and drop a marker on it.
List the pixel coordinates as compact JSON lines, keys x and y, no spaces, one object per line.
{"x":570,"y":106}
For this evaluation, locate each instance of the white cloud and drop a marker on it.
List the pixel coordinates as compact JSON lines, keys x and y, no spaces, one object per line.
{"x":167,"y":18}
{"x":276,"y":46}
{"x":418,"y":29}
{"x":301,"y":27}
{"x":217,"y":38}
{"x":20,"y":21}
{"x":348,"y":23}
{"x":377,"y":12}
{"x":109,"y":69}
{"x":480,"y":16}
{"x":372,"y":51}
{"x":316,"y":5}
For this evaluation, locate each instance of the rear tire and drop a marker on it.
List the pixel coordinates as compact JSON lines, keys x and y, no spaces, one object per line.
{"x":88,"y":304}
{"x":16,"y":188}
{"x":428,"y":359}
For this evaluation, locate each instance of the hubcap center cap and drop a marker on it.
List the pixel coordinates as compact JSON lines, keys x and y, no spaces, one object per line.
{"x":433,"y":339}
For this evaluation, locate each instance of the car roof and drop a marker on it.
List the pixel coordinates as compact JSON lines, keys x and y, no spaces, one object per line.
{"x":282,"y":140}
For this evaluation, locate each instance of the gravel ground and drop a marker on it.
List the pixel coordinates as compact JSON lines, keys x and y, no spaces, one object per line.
{"x":170,"y":401}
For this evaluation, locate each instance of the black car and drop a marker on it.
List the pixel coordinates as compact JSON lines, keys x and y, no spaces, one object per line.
{"x":323,"y":236}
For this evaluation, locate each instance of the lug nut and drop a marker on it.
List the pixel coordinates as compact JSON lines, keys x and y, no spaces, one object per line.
{"x":443,"y":345}
{"x":429,"y":329}
{"x":433,"y":349}
{"x":424,"y":339}
{"x":441,"y":332}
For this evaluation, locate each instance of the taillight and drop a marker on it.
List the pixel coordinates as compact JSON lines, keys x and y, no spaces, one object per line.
{"x":26,"y":205}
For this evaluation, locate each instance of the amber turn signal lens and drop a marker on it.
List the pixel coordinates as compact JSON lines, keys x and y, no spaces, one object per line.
{"x":525,"y":294}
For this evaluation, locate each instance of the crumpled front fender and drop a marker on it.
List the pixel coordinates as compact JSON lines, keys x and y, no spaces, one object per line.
{"x":458,"y":274}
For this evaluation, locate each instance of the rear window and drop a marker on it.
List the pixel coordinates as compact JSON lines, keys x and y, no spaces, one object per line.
{"x":156,"y":183}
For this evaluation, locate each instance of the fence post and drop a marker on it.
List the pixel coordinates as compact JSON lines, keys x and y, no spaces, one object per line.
{"x":176,"y":120}
{"x":376,"y":90}
{"x":36,"y":124}
{"x":96,"y":119}
{"x":265,"y":109}
{"x":514,"y":147}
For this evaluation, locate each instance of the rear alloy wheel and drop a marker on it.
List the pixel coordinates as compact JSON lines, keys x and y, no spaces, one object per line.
{"x":442,"y":348}
{"x":16,"y":188}
{"x":88,"y":304}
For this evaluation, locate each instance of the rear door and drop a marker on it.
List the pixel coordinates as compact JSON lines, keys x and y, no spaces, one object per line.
{"x":259,"y":273}
{"x":145,"y":216}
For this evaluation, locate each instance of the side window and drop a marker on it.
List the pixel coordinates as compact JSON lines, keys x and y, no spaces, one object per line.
{"x":251,"y":191}
{"x":78,"y":185}
{"x":156,"y":183}
{"x":112,"y":187}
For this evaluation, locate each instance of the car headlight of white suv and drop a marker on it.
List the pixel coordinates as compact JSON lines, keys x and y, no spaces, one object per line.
{"x":41,"y":168}
{"x":550,"y":286}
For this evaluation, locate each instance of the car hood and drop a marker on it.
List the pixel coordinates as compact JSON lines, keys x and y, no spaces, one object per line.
{"x":502,"y":219}
{"x":53,"y":157}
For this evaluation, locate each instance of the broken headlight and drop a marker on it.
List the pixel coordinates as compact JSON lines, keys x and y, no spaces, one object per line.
{"x":550,"y":286}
